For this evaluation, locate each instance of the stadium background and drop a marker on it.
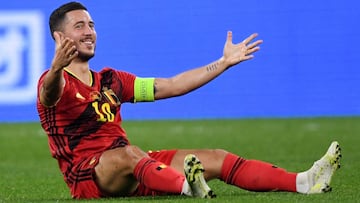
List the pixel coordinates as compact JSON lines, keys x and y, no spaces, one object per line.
{"x":307,"y":66}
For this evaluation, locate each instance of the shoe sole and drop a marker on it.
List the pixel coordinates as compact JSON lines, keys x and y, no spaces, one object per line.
{"x":332,"y":156}
{"x":195,"y":177}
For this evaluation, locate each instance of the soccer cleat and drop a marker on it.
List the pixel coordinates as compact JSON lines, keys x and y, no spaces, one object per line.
{"x":320,"y":174}
{"x":195,"y":177}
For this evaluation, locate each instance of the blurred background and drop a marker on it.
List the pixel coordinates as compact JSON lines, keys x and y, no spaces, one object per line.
{"x":307,"y":65}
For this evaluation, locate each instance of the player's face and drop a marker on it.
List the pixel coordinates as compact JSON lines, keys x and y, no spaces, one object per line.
{"x":79,"y":27}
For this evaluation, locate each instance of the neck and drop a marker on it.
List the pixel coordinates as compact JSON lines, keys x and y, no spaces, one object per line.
{"x":81,"y":71}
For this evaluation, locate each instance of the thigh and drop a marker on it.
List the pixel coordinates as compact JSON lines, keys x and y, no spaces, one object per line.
{"x":164,"y":156}
{"x":114,"y":172}
{"x":81,"y":179}
{"x":211,"y":159}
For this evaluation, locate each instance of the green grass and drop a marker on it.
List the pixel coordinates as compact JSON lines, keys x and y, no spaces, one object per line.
{"x":29,"y":174}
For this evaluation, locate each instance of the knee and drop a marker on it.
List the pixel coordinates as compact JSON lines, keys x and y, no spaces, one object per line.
{"x":134,"y":154}
{"x":219,"y":153}
{"x":113,"y":173}
{"x":131,"y":156}
{"x":123,"y":158}
{"x":213,"y":162}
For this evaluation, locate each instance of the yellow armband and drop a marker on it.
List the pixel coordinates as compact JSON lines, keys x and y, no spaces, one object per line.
{"x":144,"y":89}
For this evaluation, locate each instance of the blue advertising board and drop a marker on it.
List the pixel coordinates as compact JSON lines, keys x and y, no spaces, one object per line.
{"x":307,"y":65}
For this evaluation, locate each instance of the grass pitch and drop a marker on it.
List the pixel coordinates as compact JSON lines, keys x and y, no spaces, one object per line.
{"x":29,"y":174}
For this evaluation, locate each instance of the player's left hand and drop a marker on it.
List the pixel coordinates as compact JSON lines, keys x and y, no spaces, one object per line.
{"x":236,"y":53}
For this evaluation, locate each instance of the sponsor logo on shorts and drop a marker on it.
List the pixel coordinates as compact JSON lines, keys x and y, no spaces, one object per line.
{"x":92,"y":161}
{"x":160,"y":167}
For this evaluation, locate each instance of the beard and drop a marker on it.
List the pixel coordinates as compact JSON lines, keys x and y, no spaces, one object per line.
{"x":85,"y":57}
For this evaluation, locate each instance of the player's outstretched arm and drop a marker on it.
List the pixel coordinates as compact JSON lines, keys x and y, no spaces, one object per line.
{"x":53,"y":84}
{"x":192,"y":79}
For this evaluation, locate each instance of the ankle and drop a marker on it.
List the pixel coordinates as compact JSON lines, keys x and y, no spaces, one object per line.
{"x":186,"y":190}
{"x":302,"y":182}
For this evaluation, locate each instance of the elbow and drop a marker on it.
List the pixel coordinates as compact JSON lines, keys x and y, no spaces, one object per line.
{"x":179,"y":88}
{"x":181,"y":91}
{"x":47,"y":102}
{"x":169,"y":88}
{"x":47,"y":99}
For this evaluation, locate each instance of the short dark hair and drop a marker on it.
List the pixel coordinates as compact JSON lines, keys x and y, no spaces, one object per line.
{"x":58,"y":15}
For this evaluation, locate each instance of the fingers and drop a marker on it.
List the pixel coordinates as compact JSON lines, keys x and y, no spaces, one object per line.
{"x":57,"y":39}
{"x":250,"y":38}
{"x":73,"y":54}
{"x":64,"y":45}
{"x":254,"y":44}
{"x":252,"y":47}
{"x":248,"y":57}
{"x":247,"y":40}
{"x":62,"y":42}
{"x":65,"y":50}
{"x":229,"y":37}
{"x":68,"y":47}
{"x":251,"y":51}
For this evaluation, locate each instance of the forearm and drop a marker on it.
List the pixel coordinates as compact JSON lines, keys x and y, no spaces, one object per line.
{"x":193,"y":79}
{"x":52,"y":87}
{"x":188,"y":81}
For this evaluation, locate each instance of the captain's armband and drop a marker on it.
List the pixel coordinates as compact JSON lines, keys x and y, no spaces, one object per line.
{"x":144,"y":89}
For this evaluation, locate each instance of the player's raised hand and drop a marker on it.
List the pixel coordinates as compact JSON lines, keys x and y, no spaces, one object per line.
{"x":65,"y":51}
{"x":236,"y":53}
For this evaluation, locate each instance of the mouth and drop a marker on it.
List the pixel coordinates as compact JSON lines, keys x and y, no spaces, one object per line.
{"x":88,"y":42}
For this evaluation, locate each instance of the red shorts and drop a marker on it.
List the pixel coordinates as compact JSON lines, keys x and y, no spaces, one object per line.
{"x":84,"y":187}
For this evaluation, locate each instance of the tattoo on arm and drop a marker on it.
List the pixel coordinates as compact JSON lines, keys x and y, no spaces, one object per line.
{"x":212,"y":67}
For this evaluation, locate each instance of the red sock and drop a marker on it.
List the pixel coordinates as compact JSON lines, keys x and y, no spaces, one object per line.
{"x":158,"y":176}
{"x":256,"y":175}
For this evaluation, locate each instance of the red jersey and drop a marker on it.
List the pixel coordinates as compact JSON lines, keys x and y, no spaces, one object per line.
{"x":86,"y":120}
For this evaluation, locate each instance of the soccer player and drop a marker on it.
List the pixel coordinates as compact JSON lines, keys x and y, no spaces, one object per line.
{"x":79,"y":110}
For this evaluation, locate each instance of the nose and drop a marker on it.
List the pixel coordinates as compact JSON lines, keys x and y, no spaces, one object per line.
{"x":88,"y":30}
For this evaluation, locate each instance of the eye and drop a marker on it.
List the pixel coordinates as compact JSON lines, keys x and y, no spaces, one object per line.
{"x":92,"y":25}
{"x":79,"y":25}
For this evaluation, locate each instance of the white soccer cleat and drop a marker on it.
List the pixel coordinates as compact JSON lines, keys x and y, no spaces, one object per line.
{"x":195,"y":177}
{"x":320,"y":174}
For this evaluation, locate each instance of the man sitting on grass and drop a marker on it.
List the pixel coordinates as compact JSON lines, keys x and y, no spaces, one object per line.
{"x":80,"y":111}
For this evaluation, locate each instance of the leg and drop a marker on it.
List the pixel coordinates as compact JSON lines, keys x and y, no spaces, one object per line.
{"x":120,"y":171}
{"x":211,"y":159}
{"x":196,"y":185}
{"x":247,"y":174}
{"x":256,"y":175}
